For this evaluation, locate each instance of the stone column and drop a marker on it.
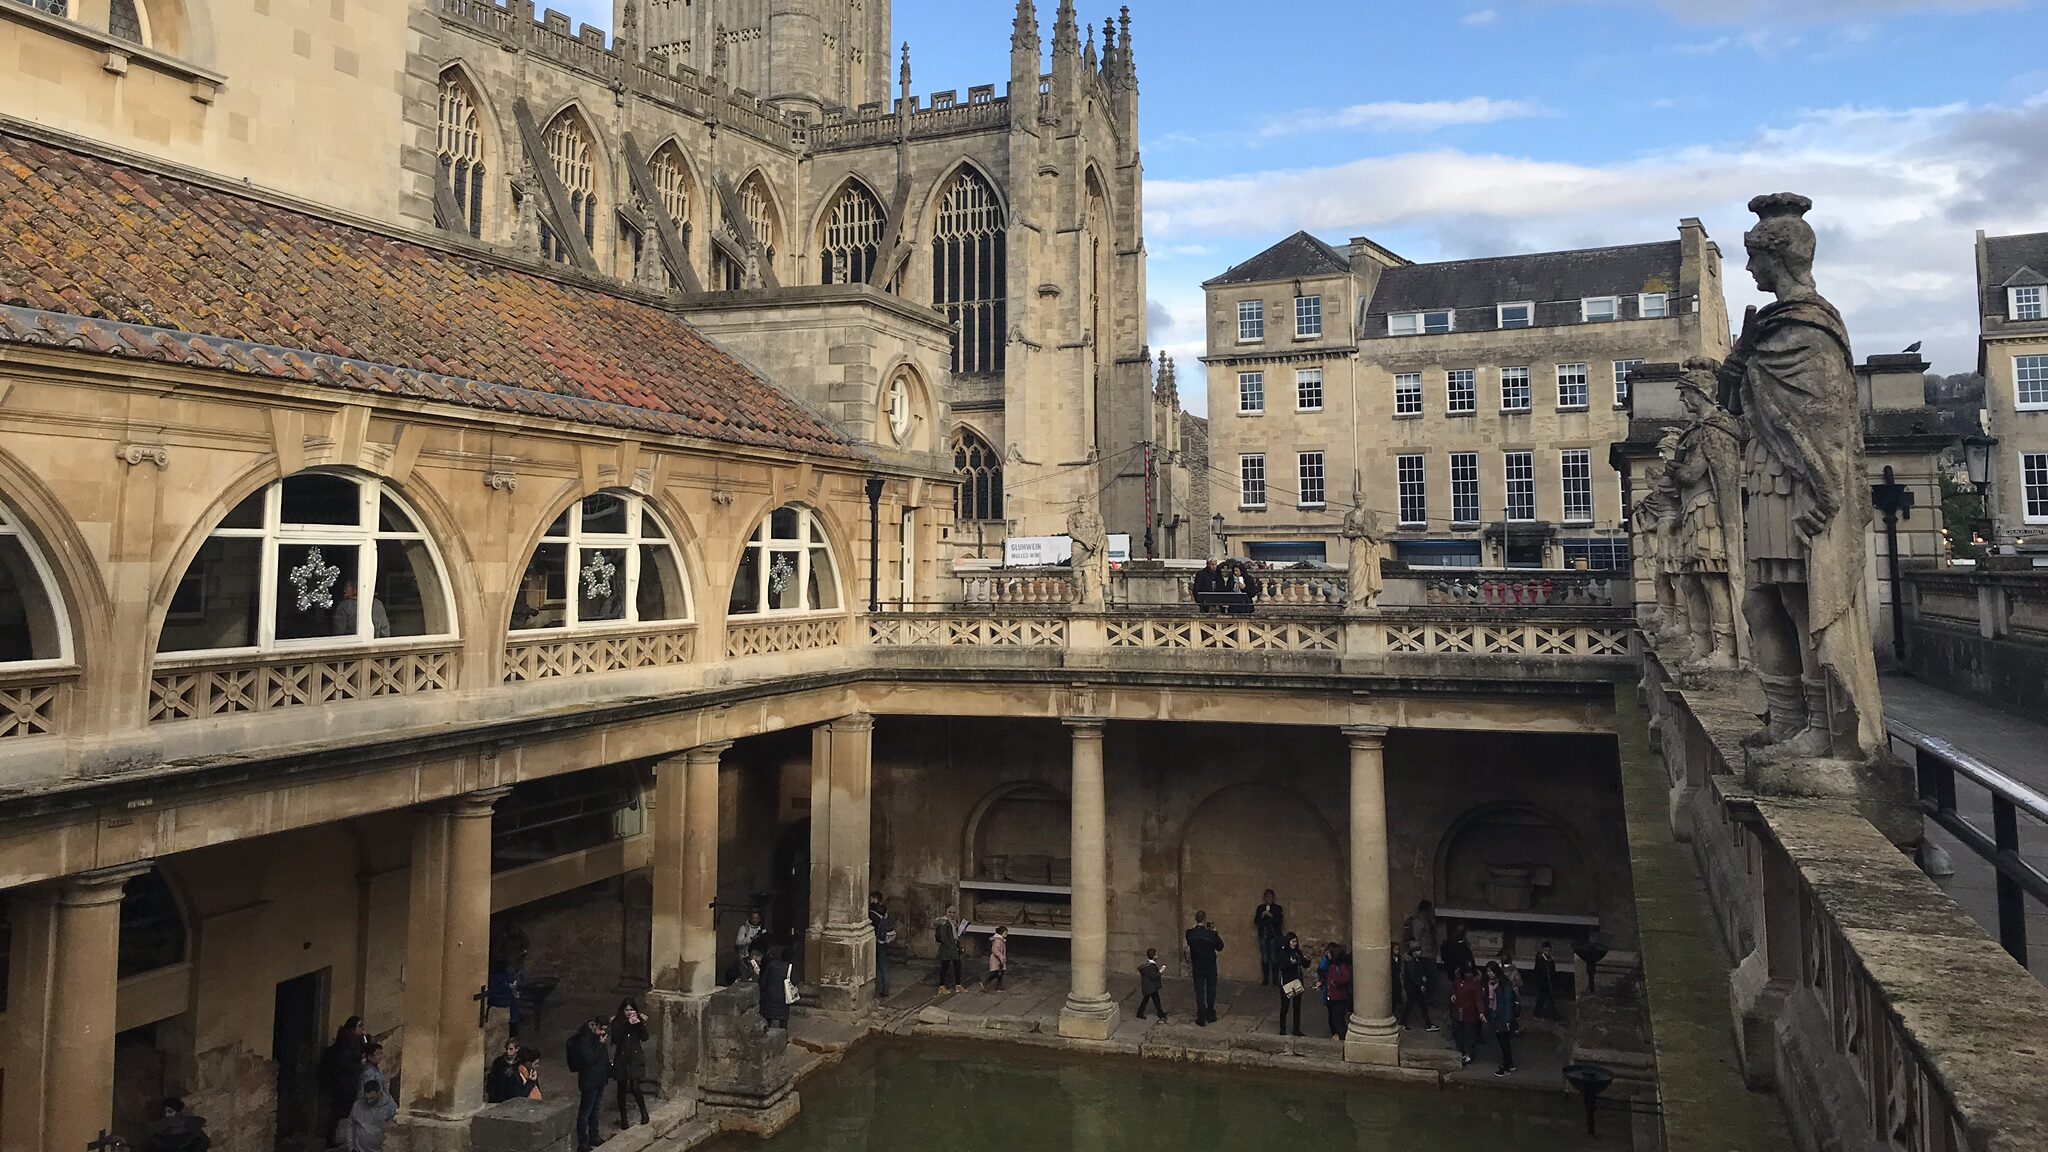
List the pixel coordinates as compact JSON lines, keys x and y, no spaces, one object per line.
{"x":60,"y":1049}
{"x":447,"y":961}
{"x":1371,"y":1036}
{"x":685,"y":810}
{"x":1090,"y":1013}
{"x":841,"y":947}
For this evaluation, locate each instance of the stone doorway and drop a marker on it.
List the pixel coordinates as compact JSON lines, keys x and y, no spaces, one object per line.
{"x":1248,"y":838}
{"x":297,"y":1031}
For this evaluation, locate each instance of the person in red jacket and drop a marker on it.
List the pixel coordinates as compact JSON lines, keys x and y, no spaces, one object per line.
{"x":1468,"y":1009}
{"x":1337,"y":991}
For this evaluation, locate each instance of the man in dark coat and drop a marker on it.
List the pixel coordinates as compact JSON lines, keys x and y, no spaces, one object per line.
{"x":1203,"y":945}
{"x":885,"y":935}
{"x":177,"y":1130}
{"x":629,"y":1058}
{"x":1456,"y":954}
{"x":775,"y":989}
{"x":1209,"y":579}
{"x":591,"y":1061}
{"x":1269,"y":926}
{"x":501,"y":1079}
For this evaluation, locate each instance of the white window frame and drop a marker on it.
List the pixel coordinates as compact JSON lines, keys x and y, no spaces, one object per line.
{"x":1251,"y":480}
{"x":1251,"y":393}
{"x":1308,"y":317}
{"x":1251,"y":321}
{"x":1663,"y":306}
{"x":2029,"y":501}
{"x":1569,"y":462}
{"x":1411,"y":483}
{"x":40,"y":570}
{"x":1407,"y":394}
{"x":1417,"y":323}
{"x":810,"y":539}
{"x":1623,"y":370}
{"x":2028,"y":370}
{"x":1470,"y":392}
{"x":1310,"y":480}
{"x":896,"y":408}
{"x":1528,"y":319}
{"x":2026,"y":297}
{"x":576,"y":539}
{"x":1465,"y":488}
{"x":906,"y":559}
{"x":1612,"y":305}
{"x":1303,"y":377}
{"x":1521,"y":374}
{"x":1574,"y":376}
{"x":1511,"y":463}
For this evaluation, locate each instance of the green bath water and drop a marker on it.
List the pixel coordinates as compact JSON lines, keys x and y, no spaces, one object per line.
{"x":917,"y":1096}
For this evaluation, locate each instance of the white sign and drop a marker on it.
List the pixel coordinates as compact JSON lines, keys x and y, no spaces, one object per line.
{"x":1036,"y":551}
{"x":1120,"y":548}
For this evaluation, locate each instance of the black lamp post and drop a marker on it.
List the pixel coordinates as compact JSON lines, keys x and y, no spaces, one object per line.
{"x":1216,"y":524}
{"x":1895,"y":501}
{"x":1977,"y":462}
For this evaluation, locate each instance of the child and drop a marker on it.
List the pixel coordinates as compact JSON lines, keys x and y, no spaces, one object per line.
{"x":1150,"y":976}
{"x":998,"y":959}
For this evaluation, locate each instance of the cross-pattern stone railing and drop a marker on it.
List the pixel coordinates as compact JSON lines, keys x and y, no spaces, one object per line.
{"x":1228,"y":634}
{"x":547,"y":657}
{"x":31,"y":703}
{"x":901,"y":630}
{"x":193,"y":690}
{"x":1507,"y":638}
{"x":770,"y":637}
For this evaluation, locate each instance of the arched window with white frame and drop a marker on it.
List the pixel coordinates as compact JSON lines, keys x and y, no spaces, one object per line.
{"x":34,"y":627}
{"x":318,"y":559}
{"x":574,"y":157}
{"x":462,"y":152}
{"x":786,"y":567}
{"x":606,"y":562}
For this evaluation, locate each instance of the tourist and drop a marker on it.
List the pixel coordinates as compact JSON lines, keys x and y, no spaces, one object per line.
{"x":367,"y":1118}
{"x":503,"y":983}
{"x":885,"y":935}
{"x":1323,"y":963}
{"x":1501,"y":1006}
{"x":592,"y":1063}
{"x":527,"y":1072}
{"x":1289,"y":967}
{"x":501,"y":1079}
{"x":1456,"y":954}
{"x":373,"y":1067}
{"x":1468,"y":1006}
{"x":1512,"y":974}
{"x":948,"y":931}
{"x":1419,"y":933}
{"x":755,"y":960}
{"x":743,"y":945}
{"x":1415,"y":981}
{"x":1337,"y":993}
{"x":1151,"y":978}
{"x":1545,"y":980}
{"x":1208,"y":580}
{"x":1268,"y":925}
{"x":1203,"y":945}
{"x":341,"y":1071}
{"x":778,"y":988}
{"x":176,"y":1130}
{"x":998,"y":959}
{"x":629,"y":1058}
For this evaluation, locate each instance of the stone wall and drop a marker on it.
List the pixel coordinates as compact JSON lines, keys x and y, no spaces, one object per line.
{"x":1984,"y":633}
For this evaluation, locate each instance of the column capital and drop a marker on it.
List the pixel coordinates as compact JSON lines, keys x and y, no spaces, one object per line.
{"x":1085,"y":727}
{"x":1366,"y":735}
{"x":99,"y":886}
{"x":474,"y":805}
{"x":856,"y":722}
{"x":703,"y":752}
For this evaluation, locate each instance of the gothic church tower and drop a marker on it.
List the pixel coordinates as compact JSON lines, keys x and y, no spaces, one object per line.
{"x":801,"y":55}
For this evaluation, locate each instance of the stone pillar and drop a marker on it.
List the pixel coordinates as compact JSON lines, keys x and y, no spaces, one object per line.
{"x":1371,"y":1036}
{"x":60,"y":1043}
{"x":840,"y":949}
{"x":685,"y":810}
{"x":1090,"y":1013}
{"x":447,"y":962}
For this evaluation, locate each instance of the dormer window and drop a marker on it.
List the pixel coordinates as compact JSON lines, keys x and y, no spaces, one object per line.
{"x":2029,"y":303}
{"x":1653,"y":305}
{"x":1599,"y":309}
{"x":1419,"y":323}
{"x":1521,"y":315}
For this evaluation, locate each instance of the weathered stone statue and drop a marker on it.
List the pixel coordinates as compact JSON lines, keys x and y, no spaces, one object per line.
{"x":1091,"y":555}
{"x":1362,"y":533}
{"x":1707,"y":470}
{"x":1809,"y":503}
{"x":1677,"y":627}
{"x":1645,"y":518}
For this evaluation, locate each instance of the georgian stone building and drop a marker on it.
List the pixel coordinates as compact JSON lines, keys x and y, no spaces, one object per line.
{"x":2012,"y":289}
{"x":1473,"y":399}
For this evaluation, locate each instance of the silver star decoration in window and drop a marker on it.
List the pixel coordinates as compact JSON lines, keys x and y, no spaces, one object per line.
{"x":597,"y":576}
{"x":314,"y":578}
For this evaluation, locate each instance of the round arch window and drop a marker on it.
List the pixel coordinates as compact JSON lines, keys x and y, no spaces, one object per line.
{"x":33,"y":625}
{"x":607,"y":561}
{"x":786,"y":567}
{"x":896,"y":413}
{"x":318,"y":558}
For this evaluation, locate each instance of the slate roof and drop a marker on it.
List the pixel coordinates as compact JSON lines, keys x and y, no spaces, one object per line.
{"x":117,"y":259}
{"x":1300,"y":255}
{"x":1555,"y":281}
{"x":2012,"y":261}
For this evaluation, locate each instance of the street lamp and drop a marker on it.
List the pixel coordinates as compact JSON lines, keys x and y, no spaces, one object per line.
{"x":1216,"y":525}
{"x":1977,"y":461}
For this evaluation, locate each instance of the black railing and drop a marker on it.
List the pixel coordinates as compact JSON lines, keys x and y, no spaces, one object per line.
{"x":1938,"y":764}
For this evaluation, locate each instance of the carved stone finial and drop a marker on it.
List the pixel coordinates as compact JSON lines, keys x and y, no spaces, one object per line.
{"x":905,"y":74}
{"x":718,"y":55}
{"x":1024,"y":30}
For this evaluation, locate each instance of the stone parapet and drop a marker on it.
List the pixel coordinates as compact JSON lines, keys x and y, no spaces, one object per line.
{"x":1983,"y":631}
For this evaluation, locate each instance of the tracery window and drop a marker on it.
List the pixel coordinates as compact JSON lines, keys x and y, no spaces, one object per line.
{"x":672,"y":186}
{"x":981,"y":477}
{"x":124,"y":21}
{"x":574,"y":157}
{"x":853,"y":237}
{"x":290,"y":566}
{"x":760,"y":213}
{"x":786,"y":567}
{"x":606,"y":561}
{"x":462,"y":152}
{"x":33,"y":626}
{"x":970,"y":274}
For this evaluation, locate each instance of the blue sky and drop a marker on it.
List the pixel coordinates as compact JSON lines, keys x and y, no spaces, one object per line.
{"x":1455,"y":128}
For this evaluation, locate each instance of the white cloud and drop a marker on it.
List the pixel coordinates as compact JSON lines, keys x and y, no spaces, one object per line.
{"x":1479,"y":19}
{"x":1403,"y":116}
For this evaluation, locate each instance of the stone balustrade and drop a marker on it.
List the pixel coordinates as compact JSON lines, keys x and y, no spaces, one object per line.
{"x":1982,"y":630}
{"x":32,"y":702}
{"x":223,"y":686}
{"x":548,"y":657}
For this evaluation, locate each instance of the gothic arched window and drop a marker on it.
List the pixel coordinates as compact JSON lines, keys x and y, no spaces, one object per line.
{"x":33,"y":625}
{"x":462,"y":152}
{"x":125,"y":21}
{"x":786,"y":567}
{"x":290,"y":567}
{"x":574,"y":157}
{"x":853,"y":237}
{"x":969,"y":273}
{"x":672,"y":185}
{"x":759,"y":209}
{"x":981,"y":477}
{"x":605,"y":561}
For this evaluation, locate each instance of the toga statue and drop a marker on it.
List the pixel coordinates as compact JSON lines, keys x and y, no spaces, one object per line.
{"x":1809,"y":504}
{"x":1091,"y":555}
{"x":1652,"y":530}
{"x":1707,"y":470}
{"x":1362,"y":532}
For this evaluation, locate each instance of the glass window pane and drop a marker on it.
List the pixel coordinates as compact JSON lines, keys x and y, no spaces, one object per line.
{"x":28,"y":621}
{"x":600,"y":585}
{"x":215,"y":604}
{"x":650,"y":526}
{"x":247,"y":514}
{"x":317,"y":498}
{"x":316,"y":589}
{"x":746,"y":585}
{"x":392,"y":518}
{"x":824,"y":590}
{"x":817,"y":531}
{"x":604,"y":514}
{"x":408,"y":600}
{"x":559,"y":530}
{"x":660,"y":594}
{"x":783,"y":593}
{"x":542,"y":600}
{"x":785,"y":524}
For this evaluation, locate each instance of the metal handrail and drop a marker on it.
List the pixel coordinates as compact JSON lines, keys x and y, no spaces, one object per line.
{"x":1937,"y":763}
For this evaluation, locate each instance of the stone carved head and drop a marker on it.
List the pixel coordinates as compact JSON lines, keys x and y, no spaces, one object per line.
{"x":1697,"y":382}
{"x":1781,"y":246}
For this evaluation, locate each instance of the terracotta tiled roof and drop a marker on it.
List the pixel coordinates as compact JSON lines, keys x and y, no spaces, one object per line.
{"x":113,"y":258}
